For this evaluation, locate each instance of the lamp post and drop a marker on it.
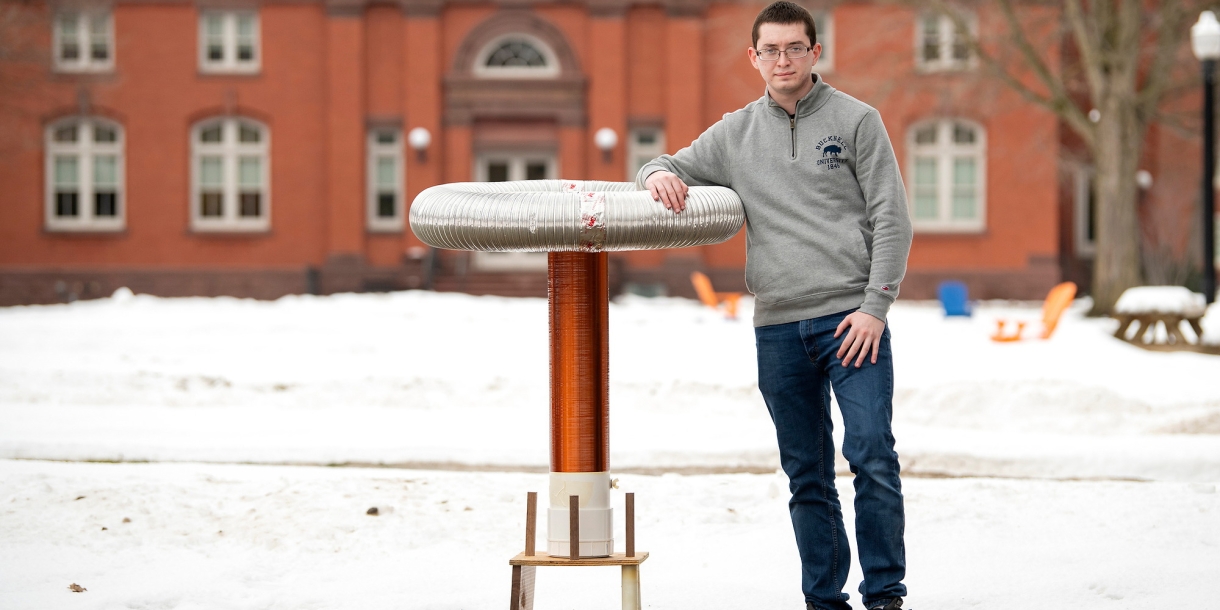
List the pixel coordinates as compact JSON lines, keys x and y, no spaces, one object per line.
{"x":1205,"y":42}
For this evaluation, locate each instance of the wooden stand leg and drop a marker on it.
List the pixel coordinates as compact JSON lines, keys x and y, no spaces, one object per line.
{"x":523,"y":588}
{"x":631,"y":588}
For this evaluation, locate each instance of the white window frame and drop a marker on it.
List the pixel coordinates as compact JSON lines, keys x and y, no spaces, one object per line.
{"x":85,"y":61}
{"x":393,"y":151}
{"x":229,"y":64}
{"x":824,"y":21}
{"x":945,"y":151}
{"x":86,"y":151}
{"x":230,"y":150}
{"x":517,"y":160}
{"x":1085,"y":247}
{"x":639,"y":154}
{"x":550,"y":70}
{"x":946,"y":35}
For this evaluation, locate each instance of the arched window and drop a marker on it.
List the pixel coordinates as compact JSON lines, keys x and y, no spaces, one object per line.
{"x":84,"y":175}
{"x":230,"y":169}
{"x":947,"y":174}
{"x":516,"y":56}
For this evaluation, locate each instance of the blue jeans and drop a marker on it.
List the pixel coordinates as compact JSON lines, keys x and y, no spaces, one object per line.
{"x":797,"y":369}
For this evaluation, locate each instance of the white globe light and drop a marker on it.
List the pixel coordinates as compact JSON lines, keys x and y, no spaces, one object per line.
{"x":1205,"y":37}
{"x":419,"y":138}
{"x":605,"y":138}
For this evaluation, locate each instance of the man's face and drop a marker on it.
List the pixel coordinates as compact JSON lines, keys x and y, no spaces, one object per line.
{"x":785,"y":75}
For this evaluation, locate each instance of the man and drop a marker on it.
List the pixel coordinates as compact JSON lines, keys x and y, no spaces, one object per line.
{"x":827,"y":238}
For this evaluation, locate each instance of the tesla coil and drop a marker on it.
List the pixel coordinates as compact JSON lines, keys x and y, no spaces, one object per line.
{"x":576,"y":223}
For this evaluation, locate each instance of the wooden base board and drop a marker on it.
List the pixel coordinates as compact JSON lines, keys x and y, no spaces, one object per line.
{"x":542,"y":559}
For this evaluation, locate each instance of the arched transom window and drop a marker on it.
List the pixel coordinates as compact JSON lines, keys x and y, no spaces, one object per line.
{"x":84,"y":175}
{"x":516,"y":56}
{"x":230,"y":175}
{"x":947,"y":175}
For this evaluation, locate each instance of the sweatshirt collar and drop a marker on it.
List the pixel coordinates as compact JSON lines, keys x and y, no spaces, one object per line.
{"x":819,"y":95}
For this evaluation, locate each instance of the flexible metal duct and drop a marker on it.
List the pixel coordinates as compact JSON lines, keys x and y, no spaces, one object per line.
{"x":566,"y":215}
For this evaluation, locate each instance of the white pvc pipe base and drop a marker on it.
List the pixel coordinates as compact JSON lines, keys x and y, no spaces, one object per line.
{"x":596,"y":516}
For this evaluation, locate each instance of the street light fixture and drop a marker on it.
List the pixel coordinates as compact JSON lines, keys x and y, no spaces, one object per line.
{"x":605,"y":139}
{"x":1205,"y":42}
{"x":420,"y":139}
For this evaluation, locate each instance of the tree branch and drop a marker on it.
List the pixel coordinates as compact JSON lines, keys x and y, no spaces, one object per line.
{"x":1170,"y":34}
{"x":1058,"y":101}
{"x":1088,"y":44}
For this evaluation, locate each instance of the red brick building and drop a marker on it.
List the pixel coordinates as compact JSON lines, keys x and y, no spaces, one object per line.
{"x":260,"y":148}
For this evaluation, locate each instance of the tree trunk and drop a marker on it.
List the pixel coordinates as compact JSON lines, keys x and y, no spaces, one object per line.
{"x":1116,"y":155}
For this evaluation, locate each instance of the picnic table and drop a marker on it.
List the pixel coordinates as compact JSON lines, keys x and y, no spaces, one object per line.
{"x":1141,"y":310}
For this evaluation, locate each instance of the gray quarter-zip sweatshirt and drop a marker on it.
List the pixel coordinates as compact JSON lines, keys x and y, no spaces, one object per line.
{"x":827,"y":227}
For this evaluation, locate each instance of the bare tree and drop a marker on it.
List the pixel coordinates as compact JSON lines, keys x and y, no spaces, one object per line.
{"x":1104,"y":70}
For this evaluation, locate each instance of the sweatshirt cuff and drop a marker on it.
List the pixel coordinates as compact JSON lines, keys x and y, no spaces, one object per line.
{"x":647,"y":170}
{"x":876,"y":304}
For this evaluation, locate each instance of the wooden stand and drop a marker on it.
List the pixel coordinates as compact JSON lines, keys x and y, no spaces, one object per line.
{"x":525,"y":563}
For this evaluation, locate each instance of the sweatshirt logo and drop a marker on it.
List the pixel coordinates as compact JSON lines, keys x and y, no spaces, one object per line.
{"x":830,"y":147}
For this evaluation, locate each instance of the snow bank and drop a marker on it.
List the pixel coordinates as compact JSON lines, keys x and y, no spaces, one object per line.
{"x":454,"y":381}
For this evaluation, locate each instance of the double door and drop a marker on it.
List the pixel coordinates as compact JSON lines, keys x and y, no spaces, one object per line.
{"x":503,"y":167}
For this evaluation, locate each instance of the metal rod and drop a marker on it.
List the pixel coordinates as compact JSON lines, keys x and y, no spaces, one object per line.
{"x":1209,"y":177}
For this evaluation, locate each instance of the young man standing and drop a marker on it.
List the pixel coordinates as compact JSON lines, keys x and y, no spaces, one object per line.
{"x":827,"y":238}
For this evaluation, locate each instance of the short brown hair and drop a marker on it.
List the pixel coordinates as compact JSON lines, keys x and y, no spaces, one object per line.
{"x":785,"y":12}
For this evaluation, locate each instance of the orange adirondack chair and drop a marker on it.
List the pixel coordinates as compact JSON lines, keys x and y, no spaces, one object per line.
{"x":1058,"y":300}
{"x":713,"y":299}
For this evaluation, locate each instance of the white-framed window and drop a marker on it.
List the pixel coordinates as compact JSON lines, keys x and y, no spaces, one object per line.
{"x":948,"y":162}
{"x":385,"y":180}
{"x":502,"y":167}
{"x":230,"y":175}
{"x":84,"y":41}
{"x":1085,"y":213}
{"x":229,"y":42}
{"x":938,"y":45}
{"x":824,"y":22}
{"x":643,"y":145}
{"x":84,"y":175}
{"x":516,"y":56}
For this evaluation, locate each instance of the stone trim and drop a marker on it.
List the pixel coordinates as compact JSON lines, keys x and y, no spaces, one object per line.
{"x":685,"y":8}
{"x":469,"y":97}
{"x":345,"y":8}
{"x":511,"y":21}
{"x":422,"y":8}
{"x":372,"y":122}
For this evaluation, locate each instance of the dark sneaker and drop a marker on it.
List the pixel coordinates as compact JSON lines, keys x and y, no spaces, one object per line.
{"x":887,"y":604}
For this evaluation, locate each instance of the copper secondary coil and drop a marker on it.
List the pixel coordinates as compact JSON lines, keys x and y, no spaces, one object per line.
{"x":580,"y":361}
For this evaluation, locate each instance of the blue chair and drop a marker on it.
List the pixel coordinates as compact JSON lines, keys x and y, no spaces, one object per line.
{"x":953,"y":297}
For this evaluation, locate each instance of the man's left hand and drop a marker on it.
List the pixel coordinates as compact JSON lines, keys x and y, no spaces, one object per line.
{"x":863,"y":337}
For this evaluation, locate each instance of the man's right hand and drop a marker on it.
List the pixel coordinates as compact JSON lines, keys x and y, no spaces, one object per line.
{"x":667,"y":188}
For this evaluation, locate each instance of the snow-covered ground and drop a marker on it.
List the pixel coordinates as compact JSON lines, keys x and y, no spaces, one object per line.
{"x":1107,"y":457}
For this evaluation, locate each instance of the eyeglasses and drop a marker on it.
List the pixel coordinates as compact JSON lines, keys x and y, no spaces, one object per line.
{"x":772,"y":54}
